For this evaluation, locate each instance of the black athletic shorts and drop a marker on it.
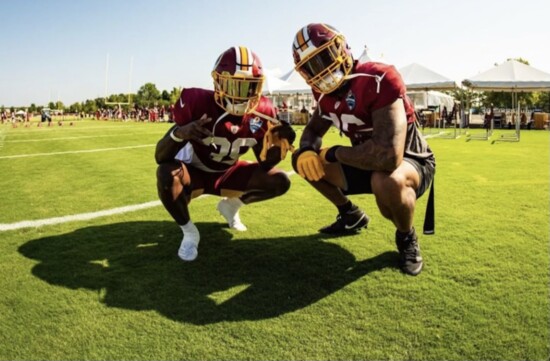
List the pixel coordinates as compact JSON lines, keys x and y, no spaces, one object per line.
{"x":358,"y":180}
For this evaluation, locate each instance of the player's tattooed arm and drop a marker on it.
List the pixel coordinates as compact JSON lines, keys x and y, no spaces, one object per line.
{"x":384,"y":151}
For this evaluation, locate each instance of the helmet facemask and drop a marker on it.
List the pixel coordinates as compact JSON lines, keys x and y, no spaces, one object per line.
{"x":237,"y":94}
{"x":325,"y":68}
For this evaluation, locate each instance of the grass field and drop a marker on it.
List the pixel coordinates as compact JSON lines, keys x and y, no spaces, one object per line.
{"x":112,"y":287}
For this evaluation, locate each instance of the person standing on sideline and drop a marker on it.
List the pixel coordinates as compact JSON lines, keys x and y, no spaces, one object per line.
{"x":387,"y":157}
{"x":200,"y":153}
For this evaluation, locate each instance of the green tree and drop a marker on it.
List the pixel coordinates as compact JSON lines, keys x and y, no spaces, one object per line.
{"x":75,"y":108}
{"x":148,"y":95}
{"x":90,"y":106}
{"x":175,"y":95}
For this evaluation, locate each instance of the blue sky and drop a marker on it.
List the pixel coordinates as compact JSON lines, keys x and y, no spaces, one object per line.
{"x":57,"y":49}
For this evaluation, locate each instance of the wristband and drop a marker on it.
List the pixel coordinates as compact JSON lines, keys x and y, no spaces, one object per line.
{"x":330,"y":155}
{"x":174,"y":138}
{"x":304,"y":149}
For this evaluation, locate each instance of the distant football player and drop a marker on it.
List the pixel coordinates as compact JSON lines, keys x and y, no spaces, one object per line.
{"x":200,"y":153}
{"x":387,"y":157}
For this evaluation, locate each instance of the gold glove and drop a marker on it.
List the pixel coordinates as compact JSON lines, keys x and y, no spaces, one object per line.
{"x":310,"y":166}
{"x":272,"y":139}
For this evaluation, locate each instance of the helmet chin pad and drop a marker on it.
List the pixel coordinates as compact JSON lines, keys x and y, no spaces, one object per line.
{"x":329,"y":82}
{"x":236,"y":109}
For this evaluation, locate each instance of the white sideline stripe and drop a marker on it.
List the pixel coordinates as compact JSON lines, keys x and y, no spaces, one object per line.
{"x":62,"y":138}
{"x":86,"y":216}
{"x":75,"y":151}
{"x":77,"y":217}
{"x":24,"y":131}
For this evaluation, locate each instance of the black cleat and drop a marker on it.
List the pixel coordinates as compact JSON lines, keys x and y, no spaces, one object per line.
{"x":410,"y":260}
{"x":350,"y":222}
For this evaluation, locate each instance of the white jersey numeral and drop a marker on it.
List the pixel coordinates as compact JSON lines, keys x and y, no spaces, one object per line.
{"x":226,"y":149}
{"x":346,"y":120}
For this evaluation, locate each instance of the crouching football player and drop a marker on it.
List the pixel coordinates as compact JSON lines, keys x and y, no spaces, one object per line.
{"x":200,"y":153}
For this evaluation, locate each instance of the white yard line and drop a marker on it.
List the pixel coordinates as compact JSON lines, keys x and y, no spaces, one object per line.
{"x":70,"y":138}
{"x":75,"y":151}
{"x":77,"y":217}
{"x":23,"y":131}
{"x":86,"y":216}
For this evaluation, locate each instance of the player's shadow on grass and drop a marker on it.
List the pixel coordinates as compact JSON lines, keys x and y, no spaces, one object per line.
{"x":134,"y":266}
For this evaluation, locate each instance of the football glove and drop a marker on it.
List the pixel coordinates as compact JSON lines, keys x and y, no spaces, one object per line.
{"x":281,"y":136}
{"x":310,"y":165}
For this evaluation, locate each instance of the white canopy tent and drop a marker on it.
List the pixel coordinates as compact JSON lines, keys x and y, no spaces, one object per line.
{"x":294,"y":83}
{"x":431,"y":98}
{"x":418,"y":77}
{"x":273,"y":81}
{"x":511,"y":76}
{"x":423,"y":88}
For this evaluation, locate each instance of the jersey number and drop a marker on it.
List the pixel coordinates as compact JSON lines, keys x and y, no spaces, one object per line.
{"x":225,"y":148}
{"x":346,"y":119}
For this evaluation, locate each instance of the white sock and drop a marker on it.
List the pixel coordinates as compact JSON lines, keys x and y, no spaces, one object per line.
{"x":235,"y":202}
{"x":189,"y":227}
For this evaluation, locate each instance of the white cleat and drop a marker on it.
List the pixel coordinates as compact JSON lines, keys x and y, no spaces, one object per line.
{"x":229,"y":209}
{"x":189,"y":246}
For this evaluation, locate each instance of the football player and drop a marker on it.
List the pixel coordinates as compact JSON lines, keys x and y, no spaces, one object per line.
{"x":387,"y":157}
{"x":200,"y":153}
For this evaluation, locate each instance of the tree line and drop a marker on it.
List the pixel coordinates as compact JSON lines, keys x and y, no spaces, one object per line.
{"x":147,"y":96}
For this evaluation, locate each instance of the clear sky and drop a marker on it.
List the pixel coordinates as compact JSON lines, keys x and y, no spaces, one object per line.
{"x":57,"y":49}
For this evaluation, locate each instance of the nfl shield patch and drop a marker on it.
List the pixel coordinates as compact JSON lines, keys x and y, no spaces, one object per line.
{"x":350,"y":100}
{"x":255,"y":124}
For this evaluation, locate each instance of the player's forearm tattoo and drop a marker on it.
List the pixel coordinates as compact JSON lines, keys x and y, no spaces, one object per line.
{"x":384,"y":151}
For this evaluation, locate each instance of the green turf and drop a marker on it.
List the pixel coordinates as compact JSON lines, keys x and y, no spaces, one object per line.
{"x":113,"y":287}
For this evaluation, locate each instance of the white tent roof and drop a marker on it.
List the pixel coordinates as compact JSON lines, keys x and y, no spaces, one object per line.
{"x":424,"y":99}
{"x":510,"y":76}
{"x":273,"y":81}
{"x":364,"y":57}
{"x":293,"y":83}
{"x":418,"y":77}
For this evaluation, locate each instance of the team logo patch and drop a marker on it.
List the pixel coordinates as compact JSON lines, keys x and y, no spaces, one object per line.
{"x":350,"y":100}
{"x":255,"y":124}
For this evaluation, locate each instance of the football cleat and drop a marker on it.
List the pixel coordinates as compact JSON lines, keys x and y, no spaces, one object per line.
{"x":350,"y":222}
{"x":410,"y":260}
{"x":189,"y":245}
{"x":229,"y":209}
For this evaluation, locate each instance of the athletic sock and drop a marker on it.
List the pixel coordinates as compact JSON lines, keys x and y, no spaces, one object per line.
{"x":403,"y":235}
{"x":189,"y":227}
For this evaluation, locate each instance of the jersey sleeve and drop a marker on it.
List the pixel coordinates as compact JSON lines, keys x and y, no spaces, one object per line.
{"x":392,"y":87}
{"x":266,"y":107}
{"x":182,"y":108}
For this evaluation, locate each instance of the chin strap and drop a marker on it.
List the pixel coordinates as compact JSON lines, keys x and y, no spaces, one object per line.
{"x":261,"y":115}
{"x":378,"y":78}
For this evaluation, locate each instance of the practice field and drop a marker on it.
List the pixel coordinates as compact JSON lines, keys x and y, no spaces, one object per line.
{"x":94,"y":273}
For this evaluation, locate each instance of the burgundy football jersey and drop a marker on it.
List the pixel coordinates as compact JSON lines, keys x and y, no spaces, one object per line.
{"x":372,"y":86}
{"x":232,"y":135}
